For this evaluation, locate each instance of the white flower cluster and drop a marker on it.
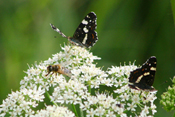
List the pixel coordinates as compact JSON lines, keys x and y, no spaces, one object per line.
{"x":22,"y":101}
{"x":94,"y":91}
{"x":54,"y":111}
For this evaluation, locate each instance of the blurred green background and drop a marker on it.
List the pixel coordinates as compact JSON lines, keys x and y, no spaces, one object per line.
{"x":128,"y":30}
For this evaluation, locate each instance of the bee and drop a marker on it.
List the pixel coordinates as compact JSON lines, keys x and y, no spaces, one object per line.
{"x":58,"y":69}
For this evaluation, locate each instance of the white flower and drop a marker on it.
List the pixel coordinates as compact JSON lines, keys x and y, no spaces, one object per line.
{"x":76,"y":72}
{"x":31,"y":71}
{"x":90,"y":113}
{"x":38,"y":80}
{"x":122,"y":89}
{"x":153,"y":107}
{"x":85,"y":77}
{"x":135,"y":99}
{"x":29,"y":112}
{"x":47,"y":62}
{"x":110,"y":99}
{"x":145,"y":111}
{"x":54,"y":111}
{"x":85,"y":106}
{"x":92,"y":99}
{"x":131,"y":106}
{"x":13,"y":114}
{"x":77,"y":59}
{"x":69,"y":93}
{"x":115,"y":107}
{"x":100,"y":111}
{"x":110,"y":114}
{"x":17,"y":110}
{"x":113,"y":70}
{"x":95,"y":84}
{"x":76,"y":99}
{"x":118,"y":83}
{"x":120,"y":112}
{"x":62,"y":85}
{"x":25,"y":105}
{"x":105,"y":104}
{"x":107,"y":82}
{"x":124,"y":97}
{"x":151,"y":97}
{"x":37,"y":93}
{"x":101,"y":97}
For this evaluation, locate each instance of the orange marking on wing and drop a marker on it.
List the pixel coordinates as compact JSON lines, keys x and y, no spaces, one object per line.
{"x":93,"y":36}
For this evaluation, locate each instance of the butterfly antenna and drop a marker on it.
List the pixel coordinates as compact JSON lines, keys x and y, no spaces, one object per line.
{"x":57,"y":30}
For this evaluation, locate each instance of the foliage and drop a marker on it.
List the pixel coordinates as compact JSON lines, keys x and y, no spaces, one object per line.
{"x":168,"y":98}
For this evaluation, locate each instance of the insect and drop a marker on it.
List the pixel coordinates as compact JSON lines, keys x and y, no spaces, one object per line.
{"x":85,"y":34}
{"x":58,"y":69}
{"x":143,"y":77}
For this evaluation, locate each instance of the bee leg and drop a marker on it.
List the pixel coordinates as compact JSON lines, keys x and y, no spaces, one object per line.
{"x":52,"y":73}
{"x":55,"y":74}
{"x":47,"y":74}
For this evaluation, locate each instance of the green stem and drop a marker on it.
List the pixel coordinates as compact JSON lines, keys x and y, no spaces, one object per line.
{"x":48,"y":95}
{"x":81,"y":112}
{"x":74,"y":109}
{"x":89,"y":87}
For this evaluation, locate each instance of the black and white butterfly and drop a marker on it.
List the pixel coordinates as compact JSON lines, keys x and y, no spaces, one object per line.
{"x":85,"y":35}
{"x":143,"y":77}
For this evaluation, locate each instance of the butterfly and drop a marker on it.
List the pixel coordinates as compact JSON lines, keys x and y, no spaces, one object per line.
{"x":85,"y":34}
{"x":143,"y":77}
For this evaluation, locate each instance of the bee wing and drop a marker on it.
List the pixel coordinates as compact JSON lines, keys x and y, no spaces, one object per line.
{"x":65,"y":71}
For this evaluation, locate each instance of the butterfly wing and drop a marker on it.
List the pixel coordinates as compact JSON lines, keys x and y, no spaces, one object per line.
{"x":85,"y":33}
{"x":143,"y":78}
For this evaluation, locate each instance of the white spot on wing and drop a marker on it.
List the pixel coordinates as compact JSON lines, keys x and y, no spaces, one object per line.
{"x":130,"y":83}
{"x":84,"y":22}
{"x":87,"y":16}
{"x":147,"y":73}
{"x":85,"y":29}
{"x":153,"y":69}
{"x":85,"y":38}
{"x":139,"y":78}
{"x":137,"y":87}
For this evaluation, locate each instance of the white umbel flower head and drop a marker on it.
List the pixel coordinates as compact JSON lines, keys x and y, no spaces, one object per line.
{"x":96,"y":92}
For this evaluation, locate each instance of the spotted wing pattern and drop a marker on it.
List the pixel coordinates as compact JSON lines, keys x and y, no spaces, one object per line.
{"x":85,"y":35}
{"x":143,"y":77}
